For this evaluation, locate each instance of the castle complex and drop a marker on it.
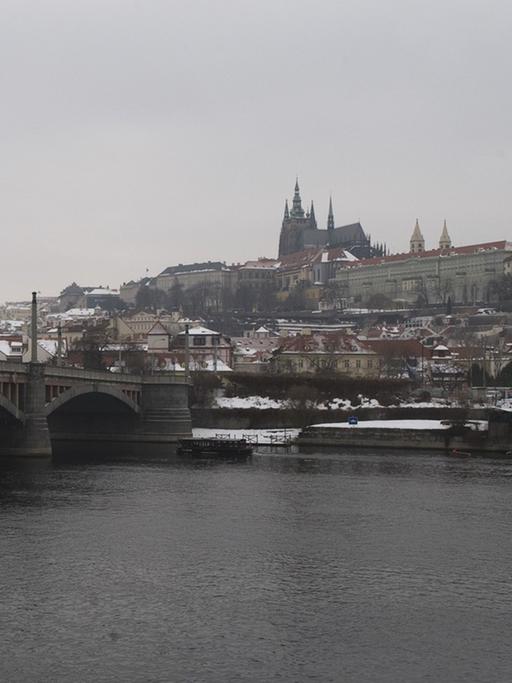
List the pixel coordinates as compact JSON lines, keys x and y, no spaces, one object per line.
{"x":469,"y":274}
{"x":299,"y":231}
{"x":340,"y":260}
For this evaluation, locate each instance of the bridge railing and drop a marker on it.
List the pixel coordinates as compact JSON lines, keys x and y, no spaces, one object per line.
{"x":11,"y":367}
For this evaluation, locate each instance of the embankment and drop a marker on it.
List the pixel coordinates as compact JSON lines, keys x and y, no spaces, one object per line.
{"x":249,"y":418}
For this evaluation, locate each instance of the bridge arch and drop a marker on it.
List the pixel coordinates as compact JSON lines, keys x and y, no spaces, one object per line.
{"x":83,"y":389}
{"x":10,"y":408}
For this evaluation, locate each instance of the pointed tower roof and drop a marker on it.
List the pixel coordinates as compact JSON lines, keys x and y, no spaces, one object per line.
{"x":312,"y":217}
{"x":417,"y":243}
{"x":297,"y":210}
{"x":416,"y":235}
{"x":445,"y":241}
{"x":330,"y":217}
{"x":286,"y":209}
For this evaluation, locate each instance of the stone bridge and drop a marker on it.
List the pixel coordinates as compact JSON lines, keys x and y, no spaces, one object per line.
{"x":46,"y":409}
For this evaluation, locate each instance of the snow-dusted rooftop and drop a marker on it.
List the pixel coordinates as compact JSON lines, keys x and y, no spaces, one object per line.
{"x":199,"y":330}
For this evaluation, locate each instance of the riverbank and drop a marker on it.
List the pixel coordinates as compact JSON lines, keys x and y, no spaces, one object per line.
{"x":253,"y":418}
{"x":446,"y":429}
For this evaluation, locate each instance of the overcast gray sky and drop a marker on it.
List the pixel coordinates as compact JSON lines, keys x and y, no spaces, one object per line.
{"x":139,"y":134}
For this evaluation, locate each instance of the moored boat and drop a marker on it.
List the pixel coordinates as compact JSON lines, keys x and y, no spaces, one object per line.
{"x":215,"y":448}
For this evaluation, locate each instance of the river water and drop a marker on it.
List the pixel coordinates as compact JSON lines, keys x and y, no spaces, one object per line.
{"x":354,"y":567}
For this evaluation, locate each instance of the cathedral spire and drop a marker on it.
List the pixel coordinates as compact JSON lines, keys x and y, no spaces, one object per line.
{"x":286,"y":210}
{"x":297,"y":210}
{"x":445,"y":241}
{"x":330,"y":217}
{"x":312,"y":217}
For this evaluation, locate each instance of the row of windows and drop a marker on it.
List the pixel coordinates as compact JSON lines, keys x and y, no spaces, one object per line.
{"x":197,"y":341}
{"x":255,"y":274}
{"x":335,"y":364}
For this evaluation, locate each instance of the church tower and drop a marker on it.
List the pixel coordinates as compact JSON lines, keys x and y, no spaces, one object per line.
{"x":297,"y":210}
{"x":445,"y":241}
{"x":417,"y":243}
{"x":296,"y":226}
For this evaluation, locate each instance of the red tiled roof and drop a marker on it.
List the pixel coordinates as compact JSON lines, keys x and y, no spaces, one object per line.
{"x":467,"y":249}
{"x":312,"y":255}
{"x":299,"y":258}
{"x":328,"y":342}
{"x":399,"y":347}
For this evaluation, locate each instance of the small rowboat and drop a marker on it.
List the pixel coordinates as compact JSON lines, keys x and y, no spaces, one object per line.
{"x":460,"y":454}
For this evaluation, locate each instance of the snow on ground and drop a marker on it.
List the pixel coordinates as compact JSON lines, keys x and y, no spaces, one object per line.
{"x":435,"y":403}
{"x":265,"y":403}
{"x":387,"y":424}
{"x":505,"y":404}
{"x":260,"y":402}
{"x":260,"y":435}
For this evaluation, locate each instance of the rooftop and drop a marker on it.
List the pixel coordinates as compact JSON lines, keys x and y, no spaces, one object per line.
{"x":452,"y":251}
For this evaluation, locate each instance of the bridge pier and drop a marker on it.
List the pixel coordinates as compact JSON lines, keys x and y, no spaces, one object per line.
{"x":36,"y":435}
{"x":30,"y":435}
{"x":165,"y":415}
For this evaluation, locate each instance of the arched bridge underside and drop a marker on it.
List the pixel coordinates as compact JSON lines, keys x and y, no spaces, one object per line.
{"x":45,"y":411}
{"x":9,"y":411}
{"x":92,"y":398}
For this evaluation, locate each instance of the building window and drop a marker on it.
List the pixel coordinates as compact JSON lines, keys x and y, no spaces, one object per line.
{"x":370,"y":364}
{"x":346,"y":363}
{"x":358,"y":363}
{"x":199,"y":341}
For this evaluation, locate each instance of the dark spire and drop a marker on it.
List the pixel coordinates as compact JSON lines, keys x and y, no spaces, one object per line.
{"x":330,"y":217}
{"x":297,"y":210}
{"x":312,"y":216}
{"x":286,"y":210}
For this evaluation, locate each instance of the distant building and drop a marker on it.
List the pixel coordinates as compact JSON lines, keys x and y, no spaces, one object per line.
{"x":212,"y":274}
{"x":136,"y":326}
{"x":70,"y":296}
{"x":47,"y":350}
{"x":299,"y":231}
{"x":207,"y":349}
{"x":463,"y":275}
{"x":11,"y":348}
{"x":257,"y":275}
{"x":335,"y":353}
{"x":128,"y":291}
{"x":74,"y":296}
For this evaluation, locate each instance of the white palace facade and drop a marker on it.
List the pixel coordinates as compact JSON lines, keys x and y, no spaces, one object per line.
{"x":464,"y":275}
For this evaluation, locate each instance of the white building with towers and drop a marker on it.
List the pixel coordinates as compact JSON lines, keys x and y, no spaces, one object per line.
{"x":469,"y":274}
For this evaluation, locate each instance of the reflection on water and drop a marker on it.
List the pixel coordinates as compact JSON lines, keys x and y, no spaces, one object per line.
{"x":295,"y":567}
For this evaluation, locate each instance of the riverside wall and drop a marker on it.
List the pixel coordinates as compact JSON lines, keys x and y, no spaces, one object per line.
{"x":404,"y":439}
{"x":253,"y":418}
